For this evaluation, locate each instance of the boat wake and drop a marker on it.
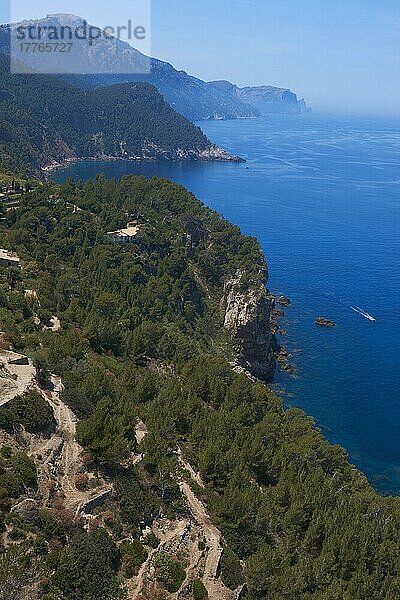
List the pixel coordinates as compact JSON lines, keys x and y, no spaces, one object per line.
{"x":363,"y":313}
{"x":345,"y":301}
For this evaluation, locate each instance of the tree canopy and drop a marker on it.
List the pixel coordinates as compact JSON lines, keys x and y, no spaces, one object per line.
{"x":142,"y":335}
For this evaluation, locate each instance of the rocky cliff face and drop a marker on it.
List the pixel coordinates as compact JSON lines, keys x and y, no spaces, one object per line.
{"x":268,"y":99}
{"x":248,"y":320}
{"x":264,"y":99}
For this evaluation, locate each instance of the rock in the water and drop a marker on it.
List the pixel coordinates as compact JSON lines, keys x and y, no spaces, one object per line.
{"x":284,"y":362}
{"x":289,"y":368}
{"x":324,"y":322}
{"x":283,"y":301}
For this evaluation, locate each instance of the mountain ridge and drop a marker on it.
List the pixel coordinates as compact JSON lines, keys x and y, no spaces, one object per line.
{"x":190,"y":96}
{"x":45,"y":121}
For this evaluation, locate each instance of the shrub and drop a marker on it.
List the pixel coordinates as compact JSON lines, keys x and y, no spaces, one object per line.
{"x":108,"y":518}
{"x":6,"y":451}
{"x":170,"y":572}
{"x":199,"y":590}
{"x":87,"y":459}
{"x":81,"y":481}
{"x":134,"y":555}
{"x":87,"y":568}
{"x":151,"y":540}
{"x":42,"y":370}
{"x":231,"y":569}
{"x":30,"y":410}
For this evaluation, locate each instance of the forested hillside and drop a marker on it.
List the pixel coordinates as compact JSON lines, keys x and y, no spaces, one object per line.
{"x":142,"y":337}
{"x":44,"y":120}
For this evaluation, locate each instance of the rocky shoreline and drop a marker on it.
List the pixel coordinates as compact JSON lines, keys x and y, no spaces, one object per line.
{"x":283,"y":356}
{"x":211,"y":154}
{"x":251,"y":317}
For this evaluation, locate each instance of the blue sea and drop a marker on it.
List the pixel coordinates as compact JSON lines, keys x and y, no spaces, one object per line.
{"x":322,"y":195}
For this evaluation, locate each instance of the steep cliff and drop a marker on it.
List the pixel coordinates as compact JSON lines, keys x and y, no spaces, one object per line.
{"x":264,"y":99}
{"x":248,"y":320}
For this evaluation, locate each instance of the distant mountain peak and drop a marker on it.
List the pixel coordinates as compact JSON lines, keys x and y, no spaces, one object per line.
{"x":61,"y":18}
{"x":65,"y":19}
{"x":111,"y":61}
{"x":65,"y":16}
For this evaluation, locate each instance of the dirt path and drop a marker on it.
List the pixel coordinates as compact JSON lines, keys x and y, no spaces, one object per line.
{"x":212,"y":535}
{"x":15,"y":379}
{"x":137,"y":585}
{"x":185,"y":536}
{"x":188,"y":467}
{"x":84,"y":502}
{"x":69,"y":462}
{"x":58,"y":459}
{"x":215,"y":588}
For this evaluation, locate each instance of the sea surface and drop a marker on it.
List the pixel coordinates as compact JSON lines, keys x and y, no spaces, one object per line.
{"x":322,"y":195}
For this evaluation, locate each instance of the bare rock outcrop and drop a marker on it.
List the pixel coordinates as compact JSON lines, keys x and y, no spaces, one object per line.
{"x":248,"y":320}
{"x":28,"y":510}
{"x":323,"y":322}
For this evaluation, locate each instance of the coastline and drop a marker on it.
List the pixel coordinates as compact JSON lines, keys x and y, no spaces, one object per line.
{"x":276,"y":355}
{"x":315,"y":387}
{"x":273,"y":447}
{"x":212,"y":154}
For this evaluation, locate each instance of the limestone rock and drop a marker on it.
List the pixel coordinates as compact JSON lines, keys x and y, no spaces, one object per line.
{"x":283,"y":301}
{"x":28,"y":510}
{"x":248,"y":319}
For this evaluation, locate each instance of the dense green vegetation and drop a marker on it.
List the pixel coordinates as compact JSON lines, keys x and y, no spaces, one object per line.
{"x":17,"y":472}
{"x":169,"y":571}
{"x":43,"y":119}
{"x":231,"y":569}
{"x":142,"y":335}
{"x":199,"y":590}
{"x":134,"y":555}
{"x":94,"y":561}
{"x":30,"y":411}
{"x":13,"y":184}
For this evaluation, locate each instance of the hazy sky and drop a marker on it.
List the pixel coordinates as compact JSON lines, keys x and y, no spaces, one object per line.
{"x":341,"y":55}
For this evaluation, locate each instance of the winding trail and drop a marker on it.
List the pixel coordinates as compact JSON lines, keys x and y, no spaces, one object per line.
{"x":59,"y":458}
{"x":188,"y":467}
{"x":69,"y":462}
{"x":185,"y":535}
{"x":215,"y":588}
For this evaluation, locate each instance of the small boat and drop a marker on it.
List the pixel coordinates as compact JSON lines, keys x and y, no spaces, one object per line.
{"x":370,"y":317}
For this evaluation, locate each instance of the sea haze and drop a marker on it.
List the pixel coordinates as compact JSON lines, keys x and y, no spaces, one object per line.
{"x":321,"y":193}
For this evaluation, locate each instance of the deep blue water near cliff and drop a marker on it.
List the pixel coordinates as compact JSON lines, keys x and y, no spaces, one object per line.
{"x":322,"y":194}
